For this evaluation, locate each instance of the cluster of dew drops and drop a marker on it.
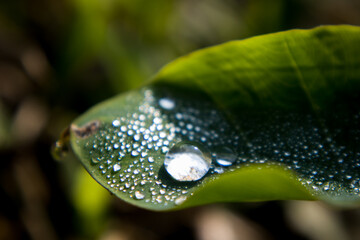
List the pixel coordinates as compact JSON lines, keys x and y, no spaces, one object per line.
{"x":322,"y":163}
{"x":180,"y":130}
{"x":192,"y":139}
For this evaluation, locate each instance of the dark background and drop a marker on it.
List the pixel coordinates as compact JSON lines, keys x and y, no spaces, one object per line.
{"x":58,"y":58}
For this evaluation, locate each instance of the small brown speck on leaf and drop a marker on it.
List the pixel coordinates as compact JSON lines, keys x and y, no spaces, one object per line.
{"x":86,"y":130}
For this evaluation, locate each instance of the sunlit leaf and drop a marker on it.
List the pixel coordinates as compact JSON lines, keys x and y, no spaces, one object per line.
{"x":270,"y":117}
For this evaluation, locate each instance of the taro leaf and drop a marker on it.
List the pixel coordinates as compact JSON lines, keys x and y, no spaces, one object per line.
{"x":277,"y":114}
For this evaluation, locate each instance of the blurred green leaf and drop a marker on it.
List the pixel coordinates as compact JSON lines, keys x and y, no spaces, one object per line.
{"x":278,"y":113}
{"x":91,"y":202}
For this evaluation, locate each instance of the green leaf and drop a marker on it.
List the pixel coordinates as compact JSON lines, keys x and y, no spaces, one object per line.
{"x":277,"y":115}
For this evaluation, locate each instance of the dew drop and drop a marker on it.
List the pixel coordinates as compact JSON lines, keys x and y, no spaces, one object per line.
{"x":178,"y":116}
{"x":187,"y":162}
{"x":219,"y":170}
{"x":95,"y":160}
{"x":157,"y":120}
{"x":162,"y":135}
{"x":139,"y":195}
{"x":167,"y":103}
{"x":164,"y":149}
{"x":136,"y":137}
{"x":116,"y":167}
{"x":116,"y":123}
{"x":180,"y":200}
{"x":134,"y":153}
{"x":225,"y":156}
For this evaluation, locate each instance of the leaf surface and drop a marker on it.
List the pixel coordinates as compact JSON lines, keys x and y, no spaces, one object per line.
{"x":278,"y":114}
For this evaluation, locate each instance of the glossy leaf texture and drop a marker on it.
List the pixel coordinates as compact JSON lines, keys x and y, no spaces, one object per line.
{"x":271,"y":117}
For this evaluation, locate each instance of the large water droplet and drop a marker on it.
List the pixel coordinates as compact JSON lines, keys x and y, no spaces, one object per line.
{"x":187,"y":162}
{"x":225,"y":156}
{"x":167,"y":103}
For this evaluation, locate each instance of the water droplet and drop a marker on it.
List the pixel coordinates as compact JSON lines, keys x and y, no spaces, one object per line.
{"x":178,"y":116}
{"x":225,"y":156}
{"x":136,"y":137}
{"x":139,"y":195}
{"x":157,"y":120}
{"x":151,"y":159}
{"x":116,"y":123}
{"x":287,"y":154}
{"x":164,"y":149}
{"x":187,"y":162}
{"x":116,"y":167}
{"x":134,"y":153}
{"x":180,"y":200}
{"x":326,"y":187}
{"x":167,"y":103}
{"x":95,"y":160}
{"x":219,"y":170}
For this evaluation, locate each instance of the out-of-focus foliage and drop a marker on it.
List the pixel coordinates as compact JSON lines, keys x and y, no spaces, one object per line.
{"x":58,"y":58}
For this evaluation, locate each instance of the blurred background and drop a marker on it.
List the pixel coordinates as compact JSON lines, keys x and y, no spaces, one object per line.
{"x":58,"y":58}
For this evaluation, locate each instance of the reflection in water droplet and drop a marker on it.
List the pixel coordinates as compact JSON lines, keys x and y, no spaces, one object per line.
{"x":225,"y":156}
{"x":186,"y":162}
